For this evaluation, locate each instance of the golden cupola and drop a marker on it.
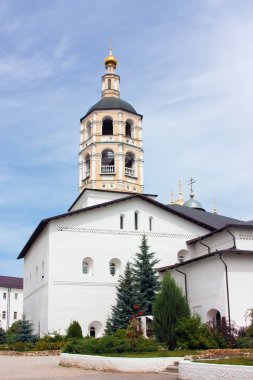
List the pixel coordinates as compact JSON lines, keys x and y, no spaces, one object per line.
{"x":111,"y":60}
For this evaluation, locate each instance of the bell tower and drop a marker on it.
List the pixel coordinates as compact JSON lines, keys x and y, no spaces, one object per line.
{"x":111,"y":154}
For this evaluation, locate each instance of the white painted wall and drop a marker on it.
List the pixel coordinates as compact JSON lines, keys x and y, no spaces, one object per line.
{"x":35,"y":285}
{"x":68,"y":294}
{"x":13,"y":303}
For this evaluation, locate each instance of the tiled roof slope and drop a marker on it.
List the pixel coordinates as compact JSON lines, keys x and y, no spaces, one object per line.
{"x":212,"y":220}
{"x":11,"y":282}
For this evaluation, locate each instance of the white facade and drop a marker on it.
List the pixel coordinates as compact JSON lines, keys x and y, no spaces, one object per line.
{"x":11,"y":301}
{"x":218,"y":270}
{"x":94,"y":236}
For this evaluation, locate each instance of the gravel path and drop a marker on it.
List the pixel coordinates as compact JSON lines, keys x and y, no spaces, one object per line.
{"x":46,"y":368}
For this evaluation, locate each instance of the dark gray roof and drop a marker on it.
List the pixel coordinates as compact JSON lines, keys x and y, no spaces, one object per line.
{"x":11,"y":282}
{"x":208,"y":218}
{"x":109,"y":103}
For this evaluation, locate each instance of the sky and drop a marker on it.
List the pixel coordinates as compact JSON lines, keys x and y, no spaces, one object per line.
{"x":185,"y":65}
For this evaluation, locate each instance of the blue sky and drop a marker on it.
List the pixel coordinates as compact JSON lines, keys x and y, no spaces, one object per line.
{"x":187,"y":66}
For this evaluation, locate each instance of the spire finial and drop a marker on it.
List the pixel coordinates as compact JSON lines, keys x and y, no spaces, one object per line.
{"x":171,"y":197}
{"x":191,"y":189}
{"x":214,"y":206}
{"x":110,"y":59}
{"x":180,"y":194}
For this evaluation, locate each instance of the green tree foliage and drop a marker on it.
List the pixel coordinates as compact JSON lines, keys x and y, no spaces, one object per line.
{"x":169,"y":306}
{"x":24,"y":332}
{"x":146,"y":278}
{"x":125,"y":299}
{"x":192,"y":334}
{"x":3,"y":337}
{"x":74,"y":330}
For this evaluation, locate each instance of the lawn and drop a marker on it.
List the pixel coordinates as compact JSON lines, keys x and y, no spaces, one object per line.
{"x":155,"y":354}
{"x":231,"y":361}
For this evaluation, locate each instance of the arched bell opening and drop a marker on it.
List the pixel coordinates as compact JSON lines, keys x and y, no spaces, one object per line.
{"x":107,"y":126}
{"x":107,"y":162}
{"x":130,"y":164}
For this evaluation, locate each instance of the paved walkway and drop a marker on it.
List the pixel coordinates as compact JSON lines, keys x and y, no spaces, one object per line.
{"x":46,"y":368}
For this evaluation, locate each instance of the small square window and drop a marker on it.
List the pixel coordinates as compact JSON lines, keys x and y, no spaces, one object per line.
{"x":4,"y":314}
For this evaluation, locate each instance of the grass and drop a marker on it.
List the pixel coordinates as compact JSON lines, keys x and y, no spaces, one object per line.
{"x":155,"y":354}
{"x":230,"y":361}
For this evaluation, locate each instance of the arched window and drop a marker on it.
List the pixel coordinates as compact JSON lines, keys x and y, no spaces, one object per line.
{"x":109,"y":84}
{"x":95,"y":329}
{"x":85,"y":267}
{"x":107,"y":162}
{"x":88,"y":128}
{"x":115,"y":267}
{"x":112,"y":269}
{"x":92,"y":332}
{"x":87,"y":165}
{"x":128,"y":127}
{"x":107,"y":127}
{"x":129,"y":164}
{"x":182,"y":255}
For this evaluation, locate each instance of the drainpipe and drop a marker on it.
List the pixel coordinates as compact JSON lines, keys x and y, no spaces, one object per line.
{"x":8,"y":309}
{"x":228,"y":302}
{"x":234,"y":246}
{"x":205,"y":246}
{"x":185,"y":283}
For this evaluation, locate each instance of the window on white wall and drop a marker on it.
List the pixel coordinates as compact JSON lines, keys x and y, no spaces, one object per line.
{"x":122,"y":222}
{"x":92,"y":331}
{"x":112,"y":269}
{"x":85,"y":267}
{"x":3,"y":314}
{"x":15,"y":315}
{"x":115,"y":267}
{"x":43,"y":269}
{"x":4,"y":296}
{"x":150,"y":223}
{"x":16,"y":296}
{"x":136,"y":220}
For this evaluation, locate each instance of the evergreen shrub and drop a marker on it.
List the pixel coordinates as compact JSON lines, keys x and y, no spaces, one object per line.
{"x":107,"y":345}
{"x":3,"y":337}
{"x":192,"y":334}
{"x":74,"y":330}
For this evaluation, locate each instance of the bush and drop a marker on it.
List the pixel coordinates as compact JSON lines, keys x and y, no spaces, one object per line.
{"x":107,"y":345}
{"x":192,"y":334}
{"x":224,"y":335}
{"x":3,"y":337}
{"x":48,"y":343}
{"x":244,"y":342}
{"x":74,"y":330}
{"x":24,"y":332}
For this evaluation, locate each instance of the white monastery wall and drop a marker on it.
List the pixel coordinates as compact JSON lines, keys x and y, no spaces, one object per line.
{"x":205,"y":285}
{"x":96,"y":236}
{"x":244,"y":239}
{"x":240,"y":280}
{"x":11,"y":306}
{"x":216,"y":242}
{"x":36,"y":279}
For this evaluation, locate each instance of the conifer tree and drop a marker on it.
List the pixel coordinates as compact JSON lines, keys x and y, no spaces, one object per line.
{"x":3,"y":337}
{"x":125,"y":299}
{"x":24,"y":332}
{"x":169,"y":307}
{"x":146,"y":278}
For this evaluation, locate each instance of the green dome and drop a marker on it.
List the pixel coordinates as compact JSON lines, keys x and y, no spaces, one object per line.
{"x":193,"y":203}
